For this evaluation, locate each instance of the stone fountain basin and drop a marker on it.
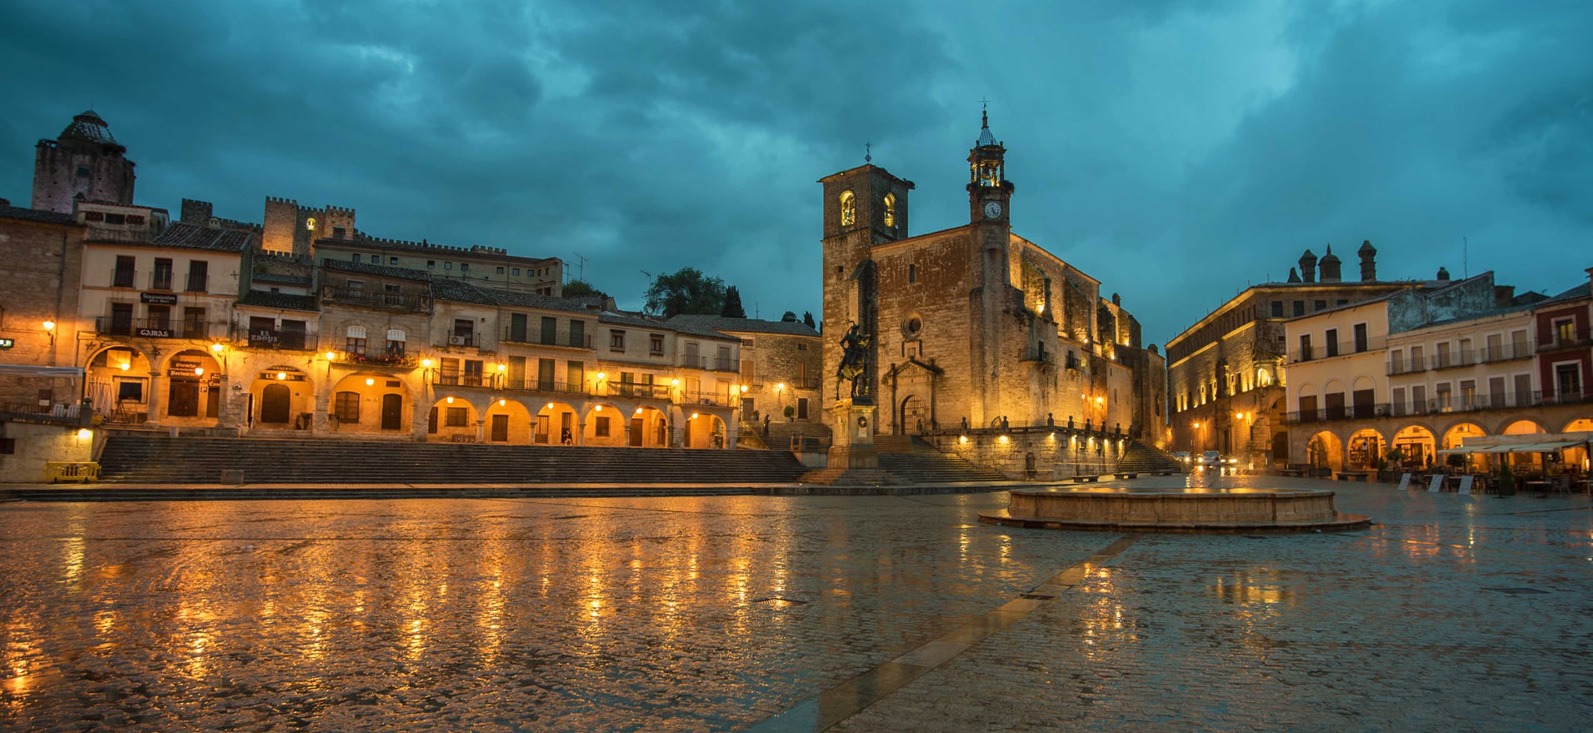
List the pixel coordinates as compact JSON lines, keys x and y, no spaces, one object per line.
{"x":1175,"y":510}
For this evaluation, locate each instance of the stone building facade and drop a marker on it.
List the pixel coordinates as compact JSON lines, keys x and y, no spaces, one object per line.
{"x":38,"y":302}
{"x":973,"y":324}
{"x":1226,"y":374}
{"x":781,"y":363}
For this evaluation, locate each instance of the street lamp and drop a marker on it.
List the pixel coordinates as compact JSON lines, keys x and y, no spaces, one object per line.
{"x":49,"y":328}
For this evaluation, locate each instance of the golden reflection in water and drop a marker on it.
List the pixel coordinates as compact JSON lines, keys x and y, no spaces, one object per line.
{"x":414,"y":628}
{"x":105,"y":621}
{"x":1260,"y":598}
{"x":23,"y":663}
{"x":1104,"y":628}
{"x":72,"y":561}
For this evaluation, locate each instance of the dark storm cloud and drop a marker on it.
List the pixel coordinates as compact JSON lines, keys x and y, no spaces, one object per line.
{"x":1174,"y":149}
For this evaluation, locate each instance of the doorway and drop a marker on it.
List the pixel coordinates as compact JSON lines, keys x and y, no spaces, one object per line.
{"x":500,"y":428}
{"x":392,"y":412}
{"x":275,"y":404}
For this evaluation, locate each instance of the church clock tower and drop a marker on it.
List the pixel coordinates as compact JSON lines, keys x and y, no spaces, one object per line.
{"x":989,"y":197}
{"x":989,"y":191}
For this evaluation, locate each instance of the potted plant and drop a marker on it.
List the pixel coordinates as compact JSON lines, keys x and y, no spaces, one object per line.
{"x":1507,"y":481}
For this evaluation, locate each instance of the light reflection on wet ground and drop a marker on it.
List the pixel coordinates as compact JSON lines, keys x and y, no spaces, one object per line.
{"x":719,"y":613}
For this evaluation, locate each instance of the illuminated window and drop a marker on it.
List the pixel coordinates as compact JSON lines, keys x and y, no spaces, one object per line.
{"x":848,"y":209}
{"x":890,"y":210}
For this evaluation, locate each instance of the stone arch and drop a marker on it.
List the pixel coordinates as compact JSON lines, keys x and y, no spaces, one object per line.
{"x":1456,"y":435}
{"x":1578,"y":425}
{"x":1324,"y":450}
{"x":1365,"y":449}
{"x":1363,"y":382}
{"x":192,"y":394}
{"x":453,"y":418}
{"x":1577,"y":456}
{"x":1522,"y":426}
{"x":507,"y":422}
{"x":281,"y":397}
{"x":370,"y":403}
{"x":1417,"y":446}
{"x":705,"y":430}
{"x":649,"y":427}
{"x":117,"y":383}
{"x":549,"y":421}
{"x":603,"y":423}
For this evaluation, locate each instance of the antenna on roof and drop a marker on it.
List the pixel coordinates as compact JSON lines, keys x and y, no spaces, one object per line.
{"x":581,"y":265}
{"x":1465,"y":257}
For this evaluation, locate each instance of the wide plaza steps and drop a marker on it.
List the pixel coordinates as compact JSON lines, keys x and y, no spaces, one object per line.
{"x":1141,"y":458}
{"x":906,"y":459}
{"x":167,"y":460}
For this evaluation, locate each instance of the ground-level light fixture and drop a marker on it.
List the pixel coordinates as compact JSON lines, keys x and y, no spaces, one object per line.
{"x":962,"y":439}
{"x":1003,"y":439}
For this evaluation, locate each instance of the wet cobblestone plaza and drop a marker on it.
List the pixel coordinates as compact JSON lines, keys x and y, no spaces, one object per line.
{"x":1453,"y":613}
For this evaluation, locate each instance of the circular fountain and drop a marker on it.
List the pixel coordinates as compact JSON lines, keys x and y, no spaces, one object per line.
{"x":1175,"y":510}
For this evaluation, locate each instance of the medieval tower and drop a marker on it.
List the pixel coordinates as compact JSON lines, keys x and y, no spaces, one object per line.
{"x":84,"y":162}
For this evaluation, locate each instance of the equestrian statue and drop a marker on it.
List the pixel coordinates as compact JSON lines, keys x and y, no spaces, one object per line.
{"x":854,"y":363}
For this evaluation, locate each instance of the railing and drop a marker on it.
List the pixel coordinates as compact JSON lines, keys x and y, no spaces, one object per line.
{"x":631,"y":389}
{"x":464,"y":379}
{"x":1506,"y":352}
{"x":1342,"y":348}
{"x":123,"y":278}
{"x":714,"y":363}
{"x":707,"y":398}
{"x":562,"y":338}
{"x":1461,"y":358}
{"x":1578,"y":339}
{"x":160,"y":280}
{"x":1036,"y":352}
{"x":544,"y":385}
{"x":158,"y":328}
{"x":467,"y":339}
{"x":1455,"y":403}
{"x":55,"y":414}
{"x":376,"y":298}
{"x":385,"y":359}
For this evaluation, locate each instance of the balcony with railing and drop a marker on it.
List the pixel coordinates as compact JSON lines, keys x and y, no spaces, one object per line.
{"x":159,"y":328}
{"x":464,"y":379}
{"x":568,"y":339}
{"x":706,"y":397}
{"x":1036,"y":353}
{"x":712,"y":363}
{"x":393,"y":359}
{"x":1344,"y":347}
{"x":1443,"y":405}
{"x":1506,"y":352}
{"x":545,"y":386}
{"x":360,"y":297}
{"x":633,"y":389}
{"x":281,"y":340}
{"x":1566,"y":340}
{"x":463,"y":340}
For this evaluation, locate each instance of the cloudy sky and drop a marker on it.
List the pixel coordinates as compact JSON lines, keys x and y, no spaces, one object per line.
{"x":1176,"y":150}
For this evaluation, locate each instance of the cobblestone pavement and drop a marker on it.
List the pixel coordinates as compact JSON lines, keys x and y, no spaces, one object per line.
{"x":1454,"y":613}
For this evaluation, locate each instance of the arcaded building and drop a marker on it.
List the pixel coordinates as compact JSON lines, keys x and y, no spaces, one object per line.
{"x":975,"y":323}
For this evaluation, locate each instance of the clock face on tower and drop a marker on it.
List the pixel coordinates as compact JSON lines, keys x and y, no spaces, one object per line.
{"x":992,"y":210}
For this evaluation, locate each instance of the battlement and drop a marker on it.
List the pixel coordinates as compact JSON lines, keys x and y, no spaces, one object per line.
{"x":488,"y":250}
{"x":339,"y":210}
{"x":275,"y":200}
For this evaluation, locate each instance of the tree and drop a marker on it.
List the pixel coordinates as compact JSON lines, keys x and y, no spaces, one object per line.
{"x":807,"y":317}
{"x":789,"y":317}
{"x":686,"y":290}
{"x":733,"y":307}
{"x":578,"y":288}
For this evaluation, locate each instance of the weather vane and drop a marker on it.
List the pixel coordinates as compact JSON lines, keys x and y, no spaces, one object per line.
{"x":868,"y":152}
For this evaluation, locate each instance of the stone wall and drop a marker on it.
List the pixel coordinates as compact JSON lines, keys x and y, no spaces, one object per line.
{"x":34,"y":445}
{"x":44,"y":262}
{"x":1057,"y":453}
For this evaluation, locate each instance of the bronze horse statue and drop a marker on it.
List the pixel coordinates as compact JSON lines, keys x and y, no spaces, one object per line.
{"x":854,"y":362}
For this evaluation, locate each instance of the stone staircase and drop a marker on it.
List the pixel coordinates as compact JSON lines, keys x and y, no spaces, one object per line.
{"x":907,"y":460}
{"x":166,"y":460}
{"x":1145,"y":459}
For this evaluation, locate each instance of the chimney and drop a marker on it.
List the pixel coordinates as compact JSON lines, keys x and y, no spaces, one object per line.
{"x":1294,"y":277}
{"x":1330,"y":267}
{"x":1368,"y":255}
{"x":1308,"y":267}
{"x":1443,"y":274}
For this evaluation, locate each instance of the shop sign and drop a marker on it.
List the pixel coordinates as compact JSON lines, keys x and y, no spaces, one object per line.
{"x":158,"y":298}
{"x":155,"y":333}
{"x":263,"y":336}
{"x":182,"y":368}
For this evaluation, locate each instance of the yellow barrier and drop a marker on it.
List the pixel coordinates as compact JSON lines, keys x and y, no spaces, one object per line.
{"x":80,"y":471}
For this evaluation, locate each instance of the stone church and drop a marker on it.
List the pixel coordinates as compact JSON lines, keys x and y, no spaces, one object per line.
{"x":976,"y":323}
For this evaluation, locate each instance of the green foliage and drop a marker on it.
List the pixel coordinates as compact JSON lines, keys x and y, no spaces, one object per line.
{"x":1456,"y":460}
{"x":686,"y":290}
{"x":733,"y":307}
{"x":578,"y":288}
{"x":790,"y":412}
{"x":807,"y":317}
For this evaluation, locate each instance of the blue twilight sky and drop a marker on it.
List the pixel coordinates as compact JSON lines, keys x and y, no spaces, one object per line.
{"x":1175,"y":150}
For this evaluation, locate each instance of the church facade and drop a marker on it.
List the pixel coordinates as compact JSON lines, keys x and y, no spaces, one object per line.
{"x":975,"y":325}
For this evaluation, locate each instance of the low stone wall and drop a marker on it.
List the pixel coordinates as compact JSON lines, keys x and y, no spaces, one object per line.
{"x":1056,"y":453}
{"x":37,"y":444}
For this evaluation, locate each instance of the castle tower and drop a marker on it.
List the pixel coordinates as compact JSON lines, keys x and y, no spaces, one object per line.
{"x":85,"y":162}
{"x":863,"y":206}
{"x":989,"y":200}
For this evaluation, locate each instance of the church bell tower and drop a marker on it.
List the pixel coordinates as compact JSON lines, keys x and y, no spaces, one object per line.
{"x":990,"y":224}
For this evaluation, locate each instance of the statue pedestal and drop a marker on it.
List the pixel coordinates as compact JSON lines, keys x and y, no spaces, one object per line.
{"x":853,"y":446}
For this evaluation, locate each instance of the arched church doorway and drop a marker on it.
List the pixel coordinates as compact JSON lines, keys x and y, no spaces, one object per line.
{"x":914,"y":416}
